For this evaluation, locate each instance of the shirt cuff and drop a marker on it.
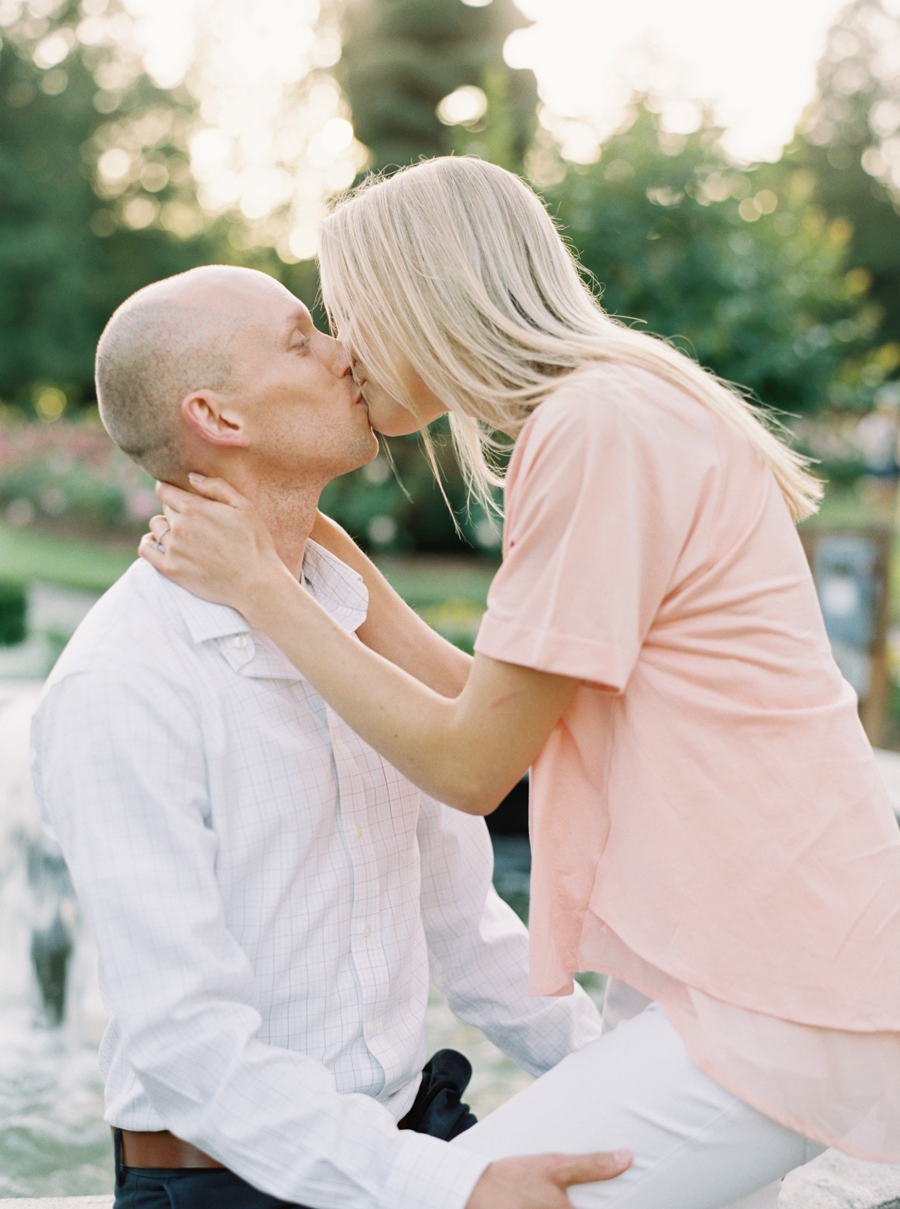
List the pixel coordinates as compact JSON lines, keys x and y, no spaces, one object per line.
{"x":430,"y":1174}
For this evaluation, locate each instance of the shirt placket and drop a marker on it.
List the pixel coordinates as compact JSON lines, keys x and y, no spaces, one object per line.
{"x":366,"y":948}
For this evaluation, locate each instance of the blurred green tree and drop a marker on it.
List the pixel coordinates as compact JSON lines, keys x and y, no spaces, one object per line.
{"x":419,"y":75}
{"x":738,"y":268}
{"x":850,"y":140}
{"x":95,"y":197}
{"x":395,"y":504}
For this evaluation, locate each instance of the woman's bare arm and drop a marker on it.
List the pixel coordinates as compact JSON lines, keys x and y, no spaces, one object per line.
{"x":391,"y":627}
{"x":468,"y":750}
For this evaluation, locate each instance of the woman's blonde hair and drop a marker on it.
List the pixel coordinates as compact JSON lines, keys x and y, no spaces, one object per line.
{"x":455,"y":267}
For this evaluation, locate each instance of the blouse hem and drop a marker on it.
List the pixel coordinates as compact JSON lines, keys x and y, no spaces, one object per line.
{"x":781,"y":1116}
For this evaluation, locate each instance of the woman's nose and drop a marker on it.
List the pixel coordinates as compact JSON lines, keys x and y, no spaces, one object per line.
{"x":340,"y":363}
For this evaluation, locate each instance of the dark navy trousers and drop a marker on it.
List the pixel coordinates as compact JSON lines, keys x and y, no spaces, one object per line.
{"x":142,"y":1188}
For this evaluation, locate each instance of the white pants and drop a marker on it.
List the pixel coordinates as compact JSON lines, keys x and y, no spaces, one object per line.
{"x":695,"y":1145}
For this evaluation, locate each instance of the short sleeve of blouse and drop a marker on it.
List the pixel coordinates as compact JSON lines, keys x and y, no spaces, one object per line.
{"x":605,"y":487}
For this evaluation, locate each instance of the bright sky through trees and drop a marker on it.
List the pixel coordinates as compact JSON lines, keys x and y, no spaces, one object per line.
{"x":754,"y":61}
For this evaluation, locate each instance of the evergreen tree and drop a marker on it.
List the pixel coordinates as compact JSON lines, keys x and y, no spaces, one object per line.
{"x":401,"y":58}
{"x":72,"y":92}
{"x":850,"y":140}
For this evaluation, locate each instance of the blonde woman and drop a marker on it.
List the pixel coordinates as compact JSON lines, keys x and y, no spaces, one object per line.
{"x":708,"y":826}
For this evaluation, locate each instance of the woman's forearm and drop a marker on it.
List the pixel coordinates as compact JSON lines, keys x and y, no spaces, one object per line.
{"x":466,"y":747}
{"x":377,"y":698}
{"x":391,"y":627}
{"x":467,"y":751}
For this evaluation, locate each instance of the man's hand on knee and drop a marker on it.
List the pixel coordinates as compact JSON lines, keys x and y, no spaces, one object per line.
{"x":539,"y":1181}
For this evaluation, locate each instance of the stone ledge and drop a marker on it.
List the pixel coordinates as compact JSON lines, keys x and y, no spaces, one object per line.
{"x":58,"y":1202}
{"x":835,"y":1181}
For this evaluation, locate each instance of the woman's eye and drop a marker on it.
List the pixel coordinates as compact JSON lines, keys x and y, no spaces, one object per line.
{"x":300,"y":346}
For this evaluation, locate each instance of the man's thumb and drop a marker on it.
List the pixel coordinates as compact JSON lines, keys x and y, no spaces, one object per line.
{"x":586,"y":1168}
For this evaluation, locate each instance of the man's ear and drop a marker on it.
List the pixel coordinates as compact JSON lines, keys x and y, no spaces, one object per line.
{"x":209,"y":417}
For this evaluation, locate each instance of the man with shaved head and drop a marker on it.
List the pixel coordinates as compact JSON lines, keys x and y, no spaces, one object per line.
{"x":269,"y":897}
{"x":160,"y":345}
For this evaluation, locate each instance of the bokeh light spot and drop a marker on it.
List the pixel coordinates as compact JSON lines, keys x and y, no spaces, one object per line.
{"x":140,"y":212}
{"x":463,"y":107}
{"x":114,"y":165}
{"x":54,"y":48}
{"x":49,"y":402}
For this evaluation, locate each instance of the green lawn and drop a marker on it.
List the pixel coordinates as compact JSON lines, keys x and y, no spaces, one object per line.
{"x":27,"y":555}
{"x":449,"y":593}
{"x":428,"y":582}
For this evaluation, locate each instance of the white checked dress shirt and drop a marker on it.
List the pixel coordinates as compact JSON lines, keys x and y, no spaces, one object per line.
{"x":269,"y":898}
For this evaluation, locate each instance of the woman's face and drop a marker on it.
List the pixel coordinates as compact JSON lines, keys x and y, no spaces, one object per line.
{"x":388,"y":415}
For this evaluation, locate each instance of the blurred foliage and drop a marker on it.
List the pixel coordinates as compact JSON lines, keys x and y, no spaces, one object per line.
{"x":850,"y":141}
{"x":71,"y":472}
{"x":739,"y":269}
{"x":394,"y":503}
{"x":13,"y":612}
{"x":74,"y":242}
{"x":403,"y":58}
{"x":848,"y":447}
{"x":457,"y":618}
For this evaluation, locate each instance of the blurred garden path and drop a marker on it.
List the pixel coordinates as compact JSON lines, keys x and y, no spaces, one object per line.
{"x":53,"y":615}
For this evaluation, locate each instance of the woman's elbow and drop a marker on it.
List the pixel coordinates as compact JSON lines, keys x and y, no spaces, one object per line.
{"x":474,"y":795}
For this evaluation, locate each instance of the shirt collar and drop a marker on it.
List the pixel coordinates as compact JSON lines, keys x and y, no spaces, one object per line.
{"x":336,"y":587}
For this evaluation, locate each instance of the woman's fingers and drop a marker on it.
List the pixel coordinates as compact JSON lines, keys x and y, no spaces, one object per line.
{"x":215,"y":544}
{"x":174,"y":497}
{"x":159,"y":526}
{"x":149,"y":550}
{"x":217,"y":489}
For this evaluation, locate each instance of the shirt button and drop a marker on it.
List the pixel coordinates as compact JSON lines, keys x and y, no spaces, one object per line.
{"x":367,"y":931}
{"x":373,"y":1029}
{"x":241,"y":641}
{"x":358,"y":832}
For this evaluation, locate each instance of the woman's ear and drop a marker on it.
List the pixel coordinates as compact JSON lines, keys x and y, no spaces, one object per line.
{"x":209,"y":417}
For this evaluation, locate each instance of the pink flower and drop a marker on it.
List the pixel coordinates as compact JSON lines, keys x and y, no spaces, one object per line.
{"x":142,"y":504}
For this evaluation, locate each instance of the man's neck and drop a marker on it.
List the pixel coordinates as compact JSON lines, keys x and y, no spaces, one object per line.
{"x":290,"y":520}
{"x":289,"y":513}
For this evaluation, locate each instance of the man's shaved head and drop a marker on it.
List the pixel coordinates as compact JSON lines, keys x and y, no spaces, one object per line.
{"x":164,"y":342}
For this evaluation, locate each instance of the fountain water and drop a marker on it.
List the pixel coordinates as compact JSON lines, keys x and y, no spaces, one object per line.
{"x":52,"y":1137}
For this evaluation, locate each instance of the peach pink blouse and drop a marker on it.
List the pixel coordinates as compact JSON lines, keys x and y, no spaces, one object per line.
{"x":707,"y":820}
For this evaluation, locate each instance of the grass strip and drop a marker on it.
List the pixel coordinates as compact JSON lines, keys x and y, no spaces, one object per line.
{"x":27,"y":555}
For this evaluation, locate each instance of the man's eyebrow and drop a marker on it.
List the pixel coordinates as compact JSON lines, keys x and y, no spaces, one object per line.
{"x":298,"y":319}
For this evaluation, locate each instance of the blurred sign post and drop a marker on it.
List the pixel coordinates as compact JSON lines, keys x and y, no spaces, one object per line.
{"x":851,"y":571}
